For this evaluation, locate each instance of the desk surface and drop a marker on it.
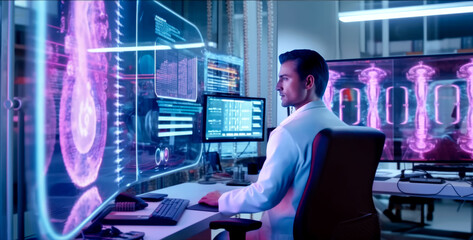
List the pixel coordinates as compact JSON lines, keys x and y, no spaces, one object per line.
{"x":192,"y":222}
{"x":450,"y":189}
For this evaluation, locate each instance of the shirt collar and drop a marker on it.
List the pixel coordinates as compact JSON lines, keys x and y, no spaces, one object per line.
{"x":309,"y":105}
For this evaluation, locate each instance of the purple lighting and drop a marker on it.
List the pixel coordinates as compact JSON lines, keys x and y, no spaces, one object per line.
{"x":389,"y":105}
{"x":466,"y":141}
{"x":372,"y":77}
{"x":457,"y":103}
{"x":83,"y":113}
{"x":328,"y":95}
{"x":84,"y":206}
{"x":421,"y":142}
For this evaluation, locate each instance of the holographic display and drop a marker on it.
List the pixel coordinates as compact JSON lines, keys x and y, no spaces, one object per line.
{"x":168,"y":133}
{"x":121,"y":101}
{"x":223,"y":74}
{"x":233,"y":119}
{"x":423,"y":104}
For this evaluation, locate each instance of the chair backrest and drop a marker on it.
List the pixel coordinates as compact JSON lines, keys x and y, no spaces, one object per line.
{"x":337,"y":201}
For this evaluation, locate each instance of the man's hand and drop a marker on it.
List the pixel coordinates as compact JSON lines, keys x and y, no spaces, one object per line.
{"x":211,"y":198}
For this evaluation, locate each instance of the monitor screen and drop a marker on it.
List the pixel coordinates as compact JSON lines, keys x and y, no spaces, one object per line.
{"x":422,"y":103}
{"x":223,"y":74}
{"x":233,"y":119}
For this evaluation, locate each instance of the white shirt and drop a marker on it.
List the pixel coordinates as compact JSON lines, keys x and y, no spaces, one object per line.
{"x":283,"y":177}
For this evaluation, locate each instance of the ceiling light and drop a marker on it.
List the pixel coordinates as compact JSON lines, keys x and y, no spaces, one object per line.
{"x":407,"y":12}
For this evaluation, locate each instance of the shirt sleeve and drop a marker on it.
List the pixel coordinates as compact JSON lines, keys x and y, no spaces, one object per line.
{"x":274,"y":180}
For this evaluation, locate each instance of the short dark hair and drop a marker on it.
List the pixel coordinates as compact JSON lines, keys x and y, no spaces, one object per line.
{"x":309,"y":62}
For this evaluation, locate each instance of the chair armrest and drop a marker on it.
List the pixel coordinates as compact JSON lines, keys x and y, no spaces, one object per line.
{"x":237,"y":227}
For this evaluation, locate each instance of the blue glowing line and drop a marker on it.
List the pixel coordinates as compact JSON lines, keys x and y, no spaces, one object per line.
{"x":172,"y":134}
{"x":138,"y":2}
{"x":169,"y":118}
{"x":172,"y":126}
{"x":128,"y":49}
{"x":189,"y":45}
{"x":407,"y":12}
{"x":40,"y":153}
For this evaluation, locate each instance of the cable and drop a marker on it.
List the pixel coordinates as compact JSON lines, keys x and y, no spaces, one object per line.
{"x":244,"y":150}
{"x":430,"y":194}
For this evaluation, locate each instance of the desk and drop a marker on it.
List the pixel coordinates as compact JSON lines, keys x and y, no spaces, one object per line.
{"x":192,"y":222}
{"x":450,"y":189}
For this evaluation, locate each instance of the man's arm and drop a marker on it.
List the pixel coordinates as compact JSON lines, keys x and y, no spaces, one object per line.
{"x":275,"y":178}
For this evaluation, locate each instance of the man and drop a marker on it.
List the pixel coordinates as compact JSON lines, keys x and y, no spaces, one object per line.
{"x":303,"y":77}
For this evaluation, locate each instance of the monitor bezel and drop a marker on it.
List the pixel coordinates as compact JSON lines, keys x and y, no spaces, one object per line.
{"x":238,"y":139}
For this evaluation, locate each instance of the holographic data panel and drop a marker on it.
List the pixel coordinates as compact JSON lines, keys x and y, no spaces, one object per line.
{"x":117,"y":87}
{"x":168,"y":100}
{"x":223,"y":74}
{"x":81,"y":145}
{"x":422,"y":103}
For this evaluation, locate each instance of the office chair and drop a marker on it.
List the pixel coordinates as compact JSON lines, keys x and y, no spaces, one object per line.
{"x":337,"y":201}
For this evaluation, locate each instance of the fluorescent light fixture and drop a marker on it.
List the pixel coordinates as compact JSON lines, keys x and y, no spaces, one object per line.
{"x":129,"y":49}
{"x":189,"y":45}
{"x":407,"y":12}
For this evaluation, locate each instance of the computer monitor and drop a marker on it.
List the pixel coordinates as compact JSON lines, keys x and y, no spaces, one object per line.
{"x":223,"y":74}
{"x":423,"y":104}
{"x":233,"y":118}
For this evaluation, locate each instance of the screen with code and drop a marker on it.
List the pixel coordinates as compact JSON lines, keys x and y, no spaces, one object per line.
{"x":232,"y":119}
{"x":223,"y":74}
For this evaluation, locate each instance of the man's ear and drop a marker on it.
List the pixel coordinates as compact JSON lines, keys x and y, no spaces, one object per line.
{"x":309,"y":81}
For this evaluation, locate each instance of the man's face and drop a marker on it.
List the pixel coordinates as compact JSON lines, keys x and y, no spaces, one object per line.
{"x":290,"y":86}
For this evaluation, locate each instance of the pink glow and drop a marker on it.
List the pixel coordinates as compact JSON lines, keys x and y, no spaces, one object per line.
{"x":389,"y":105}
{"x":372,"y":77}
{"x":421,"y":142}
{"x":341,"y":106}
{"x":457,"y":103}
{"x":466,"y":141}
{"x":83,"y":207}
{"x":83,"y":113}
{"x":328,"y":95}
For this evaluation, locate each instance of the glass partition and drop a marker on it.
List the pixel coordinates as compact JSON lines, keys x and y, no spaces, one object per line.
{"x":114,"y":99}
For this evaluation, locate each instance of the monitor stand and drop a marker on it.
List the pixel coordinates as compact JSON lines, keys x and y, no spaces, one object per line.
{"x":207,"y":180}
{"x":462,"y":169}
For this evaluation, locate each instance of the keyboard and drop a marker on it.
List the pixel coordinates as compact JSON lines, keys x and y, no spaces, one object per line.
{"x":168,"y":212}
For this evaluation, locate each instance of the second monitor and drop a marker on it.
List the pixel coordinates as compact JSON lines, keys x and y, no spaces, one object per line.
{"x":233,"y":118}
